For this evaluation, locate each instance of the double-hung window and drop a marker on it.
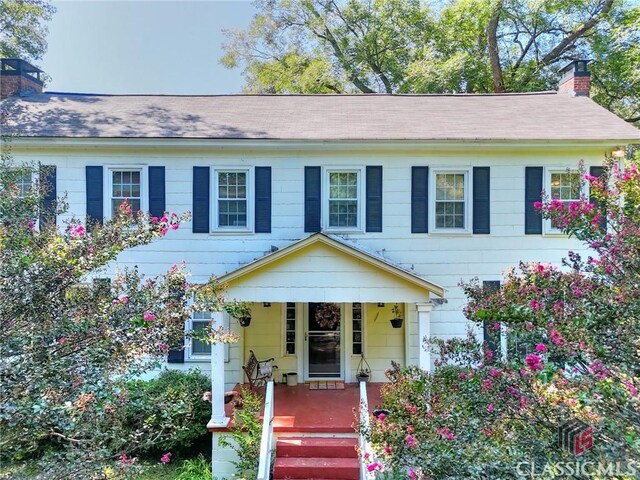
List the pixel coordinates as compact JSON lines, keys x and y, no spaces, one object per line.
{"x":197,"y":348}
{"x":24,"y":182}
{"x":125,"y":184}
{"x":344,"y":199}
{"x":451,"y":203}
{"x":232,"y":202}
{"x":566,"y":187}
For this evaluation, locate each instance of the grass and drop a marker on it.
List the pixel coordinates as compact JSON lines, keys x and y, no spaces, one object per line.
{"x":197,"y":468}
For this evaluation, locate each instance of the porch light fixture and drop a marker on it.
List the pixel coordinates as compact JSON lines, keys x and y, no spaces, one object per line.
{"x":266,"y":304}
{"x":381,"y":305}
{"x":618,"y":152}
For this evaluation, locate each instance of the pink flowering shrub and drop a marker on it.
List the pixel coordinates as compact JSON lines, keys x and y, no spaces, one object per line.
{"x":70,"y":344}
{"x":572,"y":353}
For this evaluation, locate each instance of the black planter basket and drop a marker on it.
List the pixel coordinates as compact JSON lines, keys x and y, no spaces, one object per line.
{"x":244,"y":321}
{"x":396,"y":322}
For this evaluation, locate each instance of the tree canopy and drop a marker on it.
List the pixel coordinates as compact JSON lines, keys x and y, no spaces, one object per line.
{"x":23,"y":29}
{"x":463,"y":46}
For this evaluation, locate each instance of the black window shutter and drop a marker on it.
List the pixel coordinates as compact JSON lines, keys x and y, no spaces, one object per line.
{"x":263,"y":200}
{"x":491,"y":336}
{"x":312,"y":199}
{"x":419,"y":199}
{"x":175,"y":355}
{"x":532,"y":193}
{"x":597,"y":172}
{"x":48,"y":182}
{"x":157,"y":192}
{"x":201,"y":200}
{"x":374,"y":198}
{"x":481,"y":200}
{"x":95,"y":209}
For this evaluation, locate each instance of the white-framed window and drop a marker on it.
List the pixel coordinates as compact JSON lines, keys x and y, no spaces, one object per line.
{"x":566,"y":186}
{"x":289,"y":329}
{"x":24,"y":182}
{"x":343,"y":199}
{"x":449,"y":210}
{"x":197,"y":350}
{"x":125,"y":183}
{"x":357,"y":328}
{"x":232,"y":200}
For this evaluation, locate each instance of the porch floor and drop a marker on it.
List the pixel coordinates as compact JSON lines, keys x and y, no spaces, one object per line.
{"x":302,"y":410}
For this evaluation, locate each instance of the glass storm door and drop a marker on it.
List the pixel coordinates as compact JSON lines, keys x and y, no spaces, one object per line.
{"x":323,"y":343}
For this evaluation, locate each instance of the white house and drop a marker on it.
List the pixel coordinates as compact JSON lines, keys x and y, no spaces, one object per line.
{"x":364,"y":201}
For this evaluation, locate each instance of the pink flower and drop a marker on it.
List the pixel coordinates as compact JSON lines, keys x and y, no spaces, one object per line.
{"x":412,"y":474}
{"x":537,"y":205}
{"x":31,"y":224}
{"x":163,"y":231}
{"x":166,"y":458}
{"x":462,"y":376}
{"x":541,"y":347}
{"x":163,"y":347}
{"x":410,"y":428}
{"x":494,"y":372}
{"x":126,"y":461}
{"x":411,"y":441}
{"x":374,"y":466}
{"x":528,"y":326}
{"x":387,"y":449}
{"x":61,"y":341}
{"x":449,"y":436}
{"x":154,"y":219}
{"x":149,"y":317}
{"x":124,"y":299}
{"x":175,"y":226}
{"x":164,"y":219}
{"x":486,"y":384}
{"x":556,"y":337}
{"x":633,"y":391}
{"x":381,"y":417}
{"x":533,"y":361}
{"x":490,"y":408}
{"x":535,"y":305}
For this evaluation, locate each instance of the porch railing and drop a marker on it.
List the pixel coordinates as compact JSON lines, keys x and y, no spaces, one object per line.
{"x":365,"y":446}
{"x":266,"y":440}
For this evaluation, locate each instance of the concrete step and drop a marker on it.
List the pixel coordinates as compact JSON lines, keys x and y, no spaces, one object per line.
{"x":319,"y":447}
{"x":316,"y":468}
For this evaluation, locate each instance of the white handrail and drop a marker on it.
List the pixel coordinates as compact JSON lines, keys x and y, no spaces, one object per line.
{"x":266,"y":440}
{"x":365,"y":446}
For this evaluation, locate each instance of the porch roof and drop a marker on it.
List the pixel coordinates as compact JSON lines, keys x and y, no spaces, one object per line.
{"x":327,"y":268}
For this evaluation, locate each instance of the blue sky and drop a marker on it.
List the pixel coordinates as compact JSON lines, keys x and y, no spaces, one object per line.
{"x":170,"y":47}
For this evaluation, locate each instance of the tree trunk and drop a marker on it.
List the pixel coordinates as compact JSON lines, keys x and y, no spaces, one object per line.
{"x":494,"y":53}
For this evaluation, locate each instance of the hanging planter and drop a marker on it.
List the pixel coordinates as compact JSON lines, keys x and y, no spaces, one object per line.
{"x":396,"y":321}
{"x":363,"y":371}
{"x":239,"y":310}
{"x":328,"y":315}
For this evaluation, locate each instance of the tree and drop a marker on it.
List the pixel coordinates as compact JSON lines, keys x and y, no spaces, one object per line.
{"x":470,"y":46}
{"x":572,"y":355}
{"x":70,"y":338}
{"x":23,"y":29}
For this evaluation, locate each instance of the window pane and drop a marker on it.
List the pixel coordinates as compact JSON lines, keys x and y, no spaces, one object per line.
{"x":198,"y":347}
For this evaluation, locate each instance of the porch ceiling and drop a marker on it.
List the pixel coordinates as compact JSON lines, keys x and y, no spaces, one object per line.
{"x":323,"y":268}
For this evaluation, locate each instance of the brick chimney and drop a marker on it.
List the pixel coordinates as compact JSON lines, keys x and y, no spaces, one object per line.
{"x":18,"y":77}
{"x":576,"y":79}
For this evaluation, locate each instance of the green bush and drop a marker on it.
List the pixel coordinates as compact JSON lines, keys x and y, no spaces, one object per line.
{"x":195,"y":469}
{"x":166,"y":414}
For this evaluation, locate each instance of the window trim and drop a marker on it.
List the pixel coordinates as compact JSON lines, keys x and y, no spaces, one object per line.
{"x":547,"y":228}
{"x":468,"y":200}
{"x":361,"y":178}
{"x":108,"y":186}
{"x":189,"y":356}
{"x":363,"y":324}
{"x":250,"y":198}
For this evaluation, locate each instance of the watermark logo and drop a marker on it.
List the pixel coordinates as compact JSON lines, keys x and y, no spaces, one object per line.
{"x":575,"y":437}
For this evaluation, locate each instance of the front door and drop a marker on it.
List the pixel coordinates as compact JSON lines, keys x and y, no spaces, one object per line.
{"x":323,"y":347}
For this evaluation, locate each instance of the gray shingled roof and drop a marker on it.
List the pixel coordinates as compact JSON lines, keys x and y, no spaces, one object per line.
{"x":536,"y":116}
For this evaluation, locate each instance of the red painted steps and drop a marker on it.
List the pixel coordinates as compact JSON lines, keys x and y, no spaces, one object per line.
{"x":315,"y":458}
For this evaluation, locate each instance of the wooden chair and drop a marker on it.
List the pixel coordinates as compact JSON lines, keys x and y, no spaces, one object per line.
{"x":259,"y":372}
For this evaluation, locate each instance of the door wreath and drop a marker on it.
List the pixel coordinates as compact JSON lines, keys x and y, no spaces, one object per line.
{"x":328,"y":315}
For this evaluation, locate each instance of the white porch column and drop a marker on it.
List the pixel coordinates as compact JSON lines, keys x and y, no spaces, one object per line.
{"x":424,"y":331}
{"x":218,"y":418}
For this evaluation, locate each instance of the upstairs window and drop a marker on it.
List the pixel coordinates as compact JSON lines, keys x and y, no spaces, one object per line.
{"x":344,"y":200}
{"x":451,"y":201}
{"x":564,"y":186}
{"x":231,"y":206}
{"x":24,"y":182}
{"x":125,"y":184}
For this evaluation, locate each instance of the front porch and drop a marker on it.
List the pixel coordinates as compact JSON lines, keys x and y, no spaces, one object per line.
{"x":299,"y":409}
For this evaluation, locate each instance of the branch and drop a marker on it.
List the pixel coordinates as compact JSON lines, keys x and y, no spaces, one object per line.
{"x":575,"y":34}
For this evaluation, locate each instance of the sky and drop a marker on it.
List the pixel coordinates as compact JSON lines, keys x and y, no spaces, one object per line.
{"x":142,"y":46}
